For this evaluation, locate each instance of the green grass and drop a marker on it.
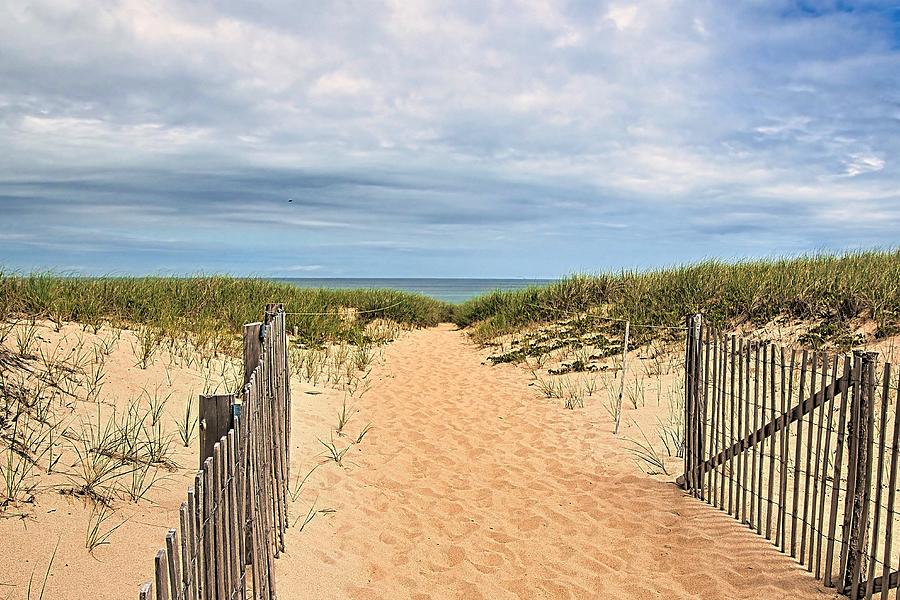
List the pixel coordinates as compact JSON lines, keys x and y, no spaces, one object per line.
{"x":206,"y":306}
{"x":825,"y":288}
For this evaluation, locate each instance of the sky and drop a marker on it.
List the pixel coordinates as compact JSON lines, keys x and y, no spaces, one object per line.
{"x":407,"y":138}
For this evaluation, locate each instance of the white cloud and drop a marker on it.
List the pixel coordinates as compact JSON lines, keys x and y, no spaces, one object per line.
{"x":622,"y":15}
{"x":863,"y":163}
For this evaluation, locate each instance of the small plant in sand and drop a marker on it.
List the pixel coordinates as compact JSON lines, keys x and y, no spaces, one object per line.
{"x":613,"y":404}
{"x":549,"y":387}
{"x":97,"y":462}
{"x":671,"y":432}
{"x":343,"y":417}
{"x":187,"y":423}
{"x":310,"y":515}
{"x":333,"y":453}
{"x":26,"y":445}
{"x":573,"y":396}
{"x":362,"y":434}
{"x":294,"y":491}
{"x":98,"y":530}
{"x":26,"y":338}
{"x":146,"y":346}
{"x":636,"y":393}
{"x":141,"y":480}
{"x":314,"y":365}
{"x":363,"y":356}
{"x":93,"y":381}
{"x":646,"y":456}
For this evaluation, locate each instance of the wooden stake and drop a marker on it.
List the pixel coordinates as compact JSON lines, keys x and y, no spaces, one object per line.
{"x":622,"y":383}
{"x":795,"y":506}
{"x":879,"y":480}
{"x":836,"y":481}
{"x":162,"y":586}
{"x":809,"y":446}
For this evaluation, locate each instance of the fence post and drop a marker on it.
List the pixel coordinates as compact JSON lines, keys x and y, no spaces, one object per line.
{"x":859,"y":470}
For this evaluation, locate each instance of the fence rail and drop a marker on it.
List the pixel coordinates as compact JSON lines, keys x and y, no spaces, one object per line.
{"x":796,"y":445}
{"x":233,"y":521}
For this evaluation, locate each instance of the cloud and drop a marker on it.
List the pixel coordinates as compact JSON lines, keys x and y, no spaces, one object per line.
{"x":443,"y":138}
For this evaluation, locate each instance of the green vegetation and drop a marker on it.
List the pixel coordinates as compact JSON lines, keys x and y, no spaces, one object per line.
{"x":207,"y":306}
{"x":823,"y":289}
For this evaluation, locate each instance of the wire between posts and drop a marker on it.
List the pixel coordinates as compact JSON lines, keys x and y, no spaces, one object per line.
{"x":614,"y":319}
{"x":337,"y":314}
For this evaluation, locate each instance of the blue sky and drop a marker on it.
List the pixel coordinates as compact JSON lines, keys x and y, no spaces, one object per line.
{"x":443,"y":139}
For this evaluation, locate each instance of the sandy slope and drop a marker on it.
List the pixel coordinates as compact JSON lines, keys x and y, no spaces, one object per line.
{"x":472,"y":485}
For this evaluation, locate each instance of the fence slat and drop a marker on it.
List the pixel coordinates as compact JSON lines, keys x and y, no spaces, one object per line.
{"x":771,"y":446}
{"x":813,"y":366}
{"x":760,"y":361}
{"x":892,"y":489}
{"x":828,"y":434}
{"x":714,"y":418}
{"x":861,"y":503}
{"x":739,"y":400}
{"x":187,"y":588}
{"x":836,"y":481}
{"x":207,"y":534}
{"x":879,"y":479}
{"x":818,"y":472}
{"x":753,"y":403}
{"x":795,"y":505}
{"x":846,"y":564}
{"x":216,"y":521}
{"x":723,"y":404}
{"x":162,"y":586}
{"x":785,"y":442}
{"x":173,"y":573}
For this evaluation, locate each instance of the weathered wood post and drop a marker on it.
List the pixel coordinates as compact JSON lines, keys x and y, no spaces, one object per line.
{"x":253,"y":335}
{"x":622,"y":383}
{"x":215,"y":421}
{"x":859,"y":471}
{"x":692,"y":435}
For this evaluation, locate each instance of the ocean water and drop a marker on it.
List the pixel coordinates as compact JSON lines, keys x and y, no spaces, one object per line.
{"x":448,"y":290}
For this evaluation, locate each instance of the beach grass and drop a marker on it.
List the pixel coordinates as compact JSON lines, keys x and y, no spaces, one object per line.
{"x":829,"y":290}
{"x":208,"y":306}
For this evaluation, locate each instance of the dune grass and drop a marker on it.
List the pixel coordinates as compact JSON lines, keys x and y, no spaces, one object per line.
{"x":207,"y":305}
{"x":830,"y":290}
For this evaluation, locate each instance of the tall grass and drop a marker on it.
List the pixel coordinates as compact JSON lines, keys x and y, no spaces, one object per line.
{"x":827,"y":288}
{"x":209,"y":304}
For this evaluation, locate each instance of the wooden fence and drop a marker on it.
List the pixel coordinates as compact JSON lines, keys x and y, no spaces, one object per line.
{"x":796,"y":445}
{"x":233,"y":522}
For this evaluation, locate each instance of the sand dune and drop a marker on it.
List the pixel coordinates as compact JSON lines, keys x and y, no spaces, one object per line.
{"x":471,"y":485}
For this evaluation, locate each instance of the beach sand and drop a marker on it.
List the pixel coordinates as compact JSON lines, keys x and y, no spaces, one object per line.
{"x":471,"y":484}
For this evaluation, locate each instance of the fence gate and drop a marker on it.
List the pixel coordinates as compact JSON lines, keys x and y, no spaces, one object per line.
{"x":792,"y":444}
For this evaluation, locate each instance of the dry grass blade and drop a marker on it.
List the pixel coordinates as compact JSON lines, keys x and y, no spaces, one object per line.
{"x":46,"y":573}
{"x":645,"y":454}
{"x":96,"y":534}
{"x":294,"y":492}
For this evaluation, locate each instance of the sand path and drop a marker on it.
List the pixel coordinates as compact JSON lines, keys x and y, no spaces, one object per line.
{"x":471,"y":485}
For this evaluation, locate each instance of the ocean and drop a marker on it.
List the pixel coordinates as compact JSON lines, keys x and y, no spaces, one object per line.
{"x":448,"y":290}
